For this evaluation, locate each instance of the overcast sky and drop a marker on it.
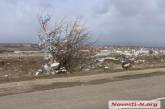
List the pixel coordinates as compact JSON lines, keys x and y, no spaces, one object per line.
{"x":109,"y":21}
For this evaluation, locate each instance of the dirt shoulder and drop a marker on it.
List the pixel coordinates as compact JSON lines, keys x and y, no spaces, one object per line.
{"x":44,"y":84}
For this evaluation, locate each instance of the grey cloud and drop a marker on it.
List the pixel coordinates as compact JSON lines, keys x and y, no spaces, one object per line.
{"x":133,"y":21}
{"x":103,"y":7}
{"x":111,"y":21}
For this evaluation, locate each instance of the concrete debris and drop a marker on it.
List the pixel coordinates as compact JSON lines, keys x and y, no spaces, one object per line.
{"x":87,"y":69}
{"x":139,"y":61}
{"x":106,"y":58}
{"x":55,"y":65}
{"x":106,"y":67}
{"x":51,"y":67}
{"x":53,"y":73}
{"x":126,"y":65}
{"x":38,"y":72}
{"x":47,"y":68}
{"x":63,"y":69}
{"x":6,"y":76}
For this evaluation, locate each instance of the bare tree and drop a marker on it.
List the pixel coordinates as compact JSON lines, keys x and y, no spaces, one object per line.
{"x":63,"y":41}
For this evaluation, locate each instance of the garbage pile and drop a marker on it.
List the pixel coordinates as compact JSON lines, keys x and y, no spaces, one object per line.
{"x":51,"y":67}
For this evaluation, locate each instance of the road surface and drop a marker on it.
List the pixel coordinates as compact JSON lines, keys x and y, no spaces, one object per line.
{"x":88,"y":96}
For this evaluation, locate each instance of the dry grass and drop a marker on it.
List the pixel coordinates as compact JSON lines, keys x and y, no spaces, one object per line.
{"x":19,"y":67}
{"x":23,"y":68}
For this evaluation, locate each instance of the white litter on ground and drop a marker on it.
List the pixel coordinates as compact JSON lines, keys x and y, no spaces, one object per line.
{"x":55,"y":65}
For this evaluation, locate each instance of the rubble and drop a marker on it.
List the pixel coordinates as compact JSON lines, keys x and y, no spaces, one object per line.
{"x":46,"y":69}
{"x":38,"y":72}
{"x":87,"y":69}
{"x":50,"y":68}
{"x":139,"y":61}
{"x":126,"y":65}
{"x":110,"y":58}
{"x":106,"y":68}
{"x":6,"y":76}
{"x":55,"y":65}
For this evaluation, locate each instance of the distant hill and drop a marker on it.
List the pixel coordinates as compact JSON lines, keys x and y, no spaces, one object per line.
{"x":10,"y":47}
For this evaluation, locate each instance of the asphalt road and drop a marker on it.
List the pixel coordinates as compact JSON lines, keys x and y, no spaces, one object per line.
{"x":88,"y":96}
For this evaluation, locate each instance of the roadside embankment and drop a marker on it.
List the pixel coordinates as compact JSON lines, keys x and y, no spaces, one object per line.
{"x":45,"y":84}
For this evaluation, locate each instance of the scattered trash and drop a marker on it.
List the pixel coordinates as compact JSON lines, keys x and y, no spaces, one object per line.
{"x":63,"y":69}
{"x":126,"y":65}
{"x":106,"y":68}
{"x":39,"y":71}
{"x":51,"y":68}
{"x":55,"y":65}
{"x":87,"y":69}
{"x":47,"y":68}
{"x":53,"y":73}
{"x":6,"y":76}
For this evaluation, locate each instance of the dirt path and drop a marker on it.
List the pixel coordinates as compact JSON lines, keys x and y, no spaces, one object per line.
{"x":31,"y":85}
